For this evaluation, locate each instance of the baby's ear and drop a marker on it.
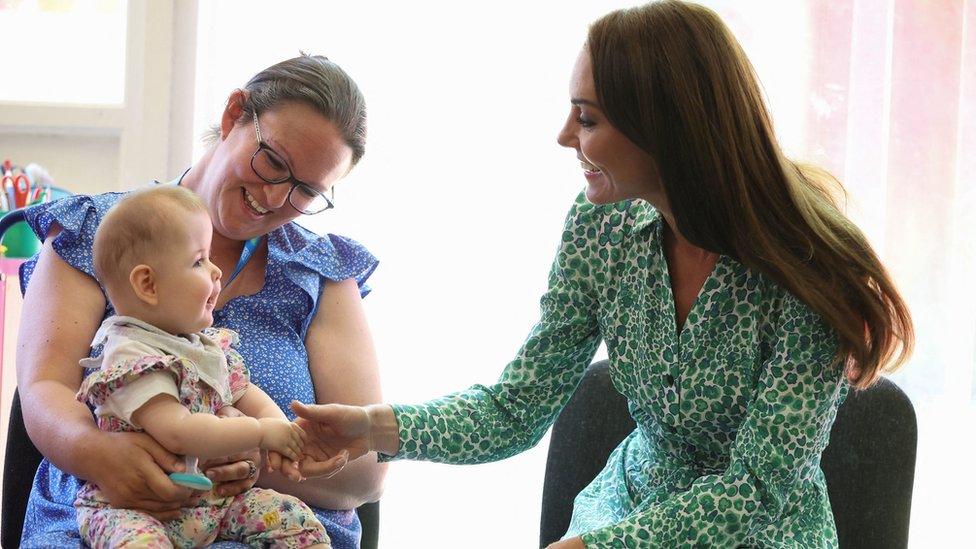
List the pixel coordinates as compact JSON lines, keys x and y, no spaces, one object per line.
{"x":142,"y":278}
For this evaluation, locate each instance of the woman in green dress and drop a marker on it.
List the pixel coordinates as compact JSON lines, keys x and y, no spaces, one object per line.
{"x":737,"y":302}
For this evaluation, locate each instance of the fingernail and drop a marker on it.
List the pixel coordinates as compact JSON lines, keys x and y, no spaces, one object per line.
{"x":211,"y":475}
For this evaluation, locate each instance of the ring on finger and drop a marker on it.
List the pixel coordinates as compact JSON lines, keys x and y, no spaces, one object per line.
{"x":252,"y":469}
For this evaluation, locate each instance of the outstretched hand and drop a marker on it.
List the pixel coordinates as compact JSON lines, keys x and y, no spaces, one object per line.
{"x":335,"y":433}
{"x":310,"y":467}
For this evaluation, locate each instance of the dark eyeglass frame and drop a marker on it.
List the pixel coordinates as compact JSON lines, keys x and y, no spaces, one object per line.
{"x":290,"y":178}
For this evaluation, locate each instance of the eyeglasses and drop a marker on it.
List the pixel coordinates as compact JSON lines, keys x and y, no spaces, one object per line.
{"x":273,"y":170}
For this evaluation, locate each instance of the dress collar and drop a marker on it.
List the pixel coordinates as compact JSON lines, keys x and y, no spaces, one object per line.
{"x":645,"y":216}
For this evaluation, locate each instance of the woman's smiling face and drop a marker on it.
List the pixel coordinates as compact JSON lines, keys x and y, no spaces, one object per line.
{"x":241,"y":203}
{"x":614,"y":167}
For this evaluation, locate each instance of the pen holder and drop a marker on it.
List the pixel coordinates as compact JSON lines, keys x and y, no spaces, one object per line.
{"x":21,"y":241}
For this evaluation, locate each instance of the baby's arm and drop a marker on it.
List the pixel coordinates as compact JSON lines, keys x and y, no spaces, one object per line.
{"x":256,"y":403}
{"x":208,"y":436}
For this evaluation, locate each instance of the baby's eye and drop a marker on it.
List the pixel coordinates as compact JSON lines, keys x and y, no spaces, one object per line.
{"x":198,"y":263}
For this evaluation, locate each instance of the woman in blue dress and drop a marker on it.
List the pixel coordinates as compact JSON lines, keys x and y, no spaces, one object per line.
{"x":284,"y":140}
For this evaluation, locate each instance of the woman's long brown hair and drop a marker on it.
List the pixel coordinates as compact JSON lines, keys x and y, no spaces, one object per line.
{"x":674,"y":80}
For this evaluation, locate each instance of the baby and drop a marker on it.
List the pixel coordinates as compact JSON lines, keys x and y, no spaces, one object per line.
{"x":164,"y":370}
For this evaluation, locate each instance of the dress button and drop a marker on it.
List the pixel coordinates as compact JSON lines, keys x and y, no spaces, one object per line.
{"x":669,"y":379}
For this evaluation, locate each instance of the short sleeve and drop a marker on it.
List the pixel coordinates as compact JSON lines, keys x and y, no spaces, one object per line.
{"x":314,"y":259}
{"x":124,"y":401}
{"x":309,"y":260}
{"x":78,"y":216}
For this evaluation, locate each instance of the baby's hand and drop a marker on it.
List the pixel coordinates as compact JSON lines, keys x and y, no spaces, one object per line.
{"x":287,"y":467}
{"x":282,"y":436}
{"x":290,"y":469}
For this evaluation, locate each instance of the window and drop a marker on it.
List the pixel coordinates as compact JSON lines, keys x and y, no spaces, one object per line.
{"x":63,"y":51}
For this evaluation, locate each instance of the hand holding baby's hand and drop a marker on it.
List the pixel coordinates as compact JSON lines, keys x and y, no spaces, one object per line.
{"x":288,"y":468}
{"x":282,"y":436}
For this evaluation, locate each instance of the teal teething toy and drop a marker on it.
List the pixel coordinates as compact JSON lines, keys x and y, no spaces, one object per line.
{"x":192,"y":478}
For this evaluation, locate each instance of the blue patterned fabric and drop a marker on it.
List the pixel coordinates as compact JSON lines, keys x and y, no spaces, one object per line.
{"x":272,"y":324}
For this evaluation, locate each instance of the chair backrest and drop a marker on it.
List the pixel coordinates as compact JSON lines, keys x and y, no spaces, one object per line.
{"x":369,"y":516}
{"x":870,"y":467}
{"x":869,"y":463}
{"x":591,"y":425}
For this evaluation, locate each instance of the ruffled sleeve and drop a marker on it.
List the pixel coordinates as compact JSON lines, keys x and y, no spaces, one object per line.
{"x":102,"y":384}
{"x":308,"y":260}
{"x":78,"y":216}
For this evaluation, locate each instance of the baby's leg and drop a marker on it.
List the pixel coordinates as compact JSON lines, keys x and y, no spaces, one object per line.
{"x":106,"y":527}
{"x":265,"y":518}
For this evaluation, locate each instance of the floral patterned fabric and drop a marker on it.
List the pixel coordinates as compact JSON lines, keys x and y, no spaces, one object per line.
{"x":258,"y":517}
{"x":254,"y":517}
{"x":214,"y":377}
{"x":732,"y":413}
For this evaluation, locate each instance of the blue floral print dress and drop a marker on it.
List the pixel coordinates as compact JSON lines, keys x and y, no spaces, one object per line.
{"x":272,"y":324}
{"x":732,"y":413}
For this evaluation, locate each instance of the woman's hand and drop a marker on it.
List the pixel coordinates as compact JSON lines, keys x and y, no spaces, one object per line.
{"x":290,"y":469}
{"x":234,"y":474}
{"x":310,"y":467}
{"x":334,"y":430}
{"x":134,"y":475}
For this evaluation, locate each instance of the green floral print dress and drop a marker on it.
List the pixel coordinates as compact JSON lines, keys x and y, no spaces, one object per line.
{"x":732,"y":413}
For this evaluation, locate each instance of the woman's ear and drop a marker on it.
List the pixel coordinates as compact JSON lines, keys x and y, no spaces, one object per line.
{"x":142,"y":278}
{"x":232,"y":112}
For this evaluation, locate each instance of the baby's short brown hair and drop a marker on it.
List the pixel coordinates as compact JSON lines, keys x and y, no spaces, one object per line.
{"x":138,"y":226}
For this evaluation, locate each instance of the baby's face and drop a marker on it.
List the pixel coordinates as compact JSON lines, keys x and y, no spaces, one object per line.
{"x":188,"y":283}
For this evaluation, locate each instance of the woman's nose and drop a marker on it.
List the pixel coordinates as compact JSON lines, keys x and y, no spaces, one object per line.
{"x":567,"y":135}
{"x":277,"y":195}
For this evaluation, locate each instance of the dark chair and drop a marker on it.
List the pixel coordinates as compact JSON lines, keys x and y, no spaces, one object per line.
{"x":19,"y":465}
{"x":22,"y":458}
{"x":869,"y":463}
{"x":369,"y":516}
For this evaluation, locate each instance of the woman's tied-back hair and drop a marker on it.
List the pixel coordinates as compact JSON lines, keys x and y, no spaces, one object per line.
{"x":315,"y":81}
{"x":671,"y":77}
{"x":138,"y":226}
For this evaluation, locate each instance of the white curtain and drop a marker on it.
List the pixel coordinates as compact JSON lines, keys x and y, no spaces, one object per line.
{"x":892,"y":111}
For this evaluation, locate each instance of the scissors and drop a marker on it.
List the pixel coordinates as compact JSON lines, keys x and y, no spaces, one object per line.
{"x":21,"y":186}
